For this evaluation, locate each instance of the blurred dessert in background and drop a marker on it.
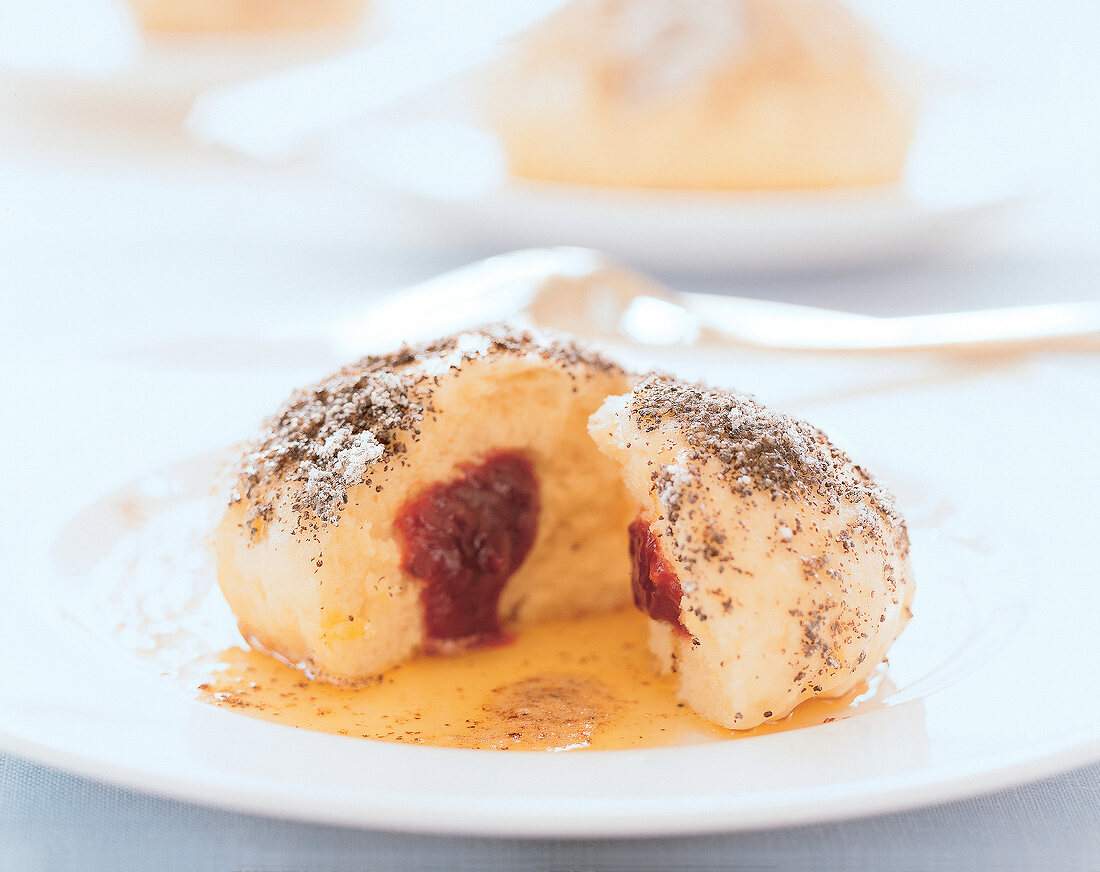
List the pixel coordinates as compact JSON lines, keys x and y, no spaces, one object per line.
{"x":208,"y":16}
{"x":123,"y":77}
{"x":703,"y":94}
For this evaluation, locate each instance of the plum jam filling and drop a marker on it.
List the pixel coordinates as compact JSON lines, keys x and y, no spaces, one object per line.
{"x":656,"y":588}
{"x":464,"y":539}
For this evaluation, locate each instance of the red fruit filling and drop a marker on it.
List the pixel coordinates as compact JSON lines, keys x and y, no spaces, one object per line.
{"x":464,"y":539}
{"x":656,"y":588}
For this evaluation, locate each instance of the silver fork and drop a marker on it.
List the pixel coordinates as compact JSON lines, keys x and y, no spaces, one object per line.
{"x":582,"y":291}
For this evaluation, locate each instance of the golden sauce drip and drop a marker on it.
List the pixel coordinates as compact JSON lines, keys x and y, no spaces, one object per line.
{"x":561,"y":685}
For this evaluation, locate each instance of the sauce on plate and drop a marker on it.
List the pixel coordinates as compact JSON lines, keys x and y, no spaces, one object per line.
{"x":561,"y":685}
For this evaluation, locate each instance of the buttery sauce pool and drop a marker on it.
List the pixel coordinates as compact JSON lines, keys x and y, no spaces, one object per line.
{"x":561,"y":685}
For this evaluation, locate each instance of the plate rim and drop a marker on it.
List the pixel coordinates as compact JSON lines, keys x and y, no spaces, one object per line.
{"x":867,"y":798}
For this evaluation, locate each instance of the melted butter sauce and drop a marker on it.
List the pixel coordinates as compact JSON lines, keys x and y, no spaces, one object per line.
{"x":562,"y":685}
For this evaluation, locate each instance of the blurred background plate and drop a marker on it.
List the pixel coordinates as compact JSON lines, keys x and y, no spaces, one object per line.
{"x":962,"y":190}
{"x":710,"y":232}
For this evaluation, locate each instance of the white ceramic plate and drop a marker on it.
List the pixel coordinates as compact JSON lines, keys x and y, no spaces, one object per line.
{"x":450,"y":178}
{"x":708,"y":232}
{"x":993,"y":675}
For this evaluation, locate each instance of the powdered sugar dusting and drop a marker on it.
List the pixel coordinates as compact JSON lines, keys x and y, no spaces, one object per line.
{"x":473,"y":344}
{"x":332,"y":436}
{"x":757,"y":451}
